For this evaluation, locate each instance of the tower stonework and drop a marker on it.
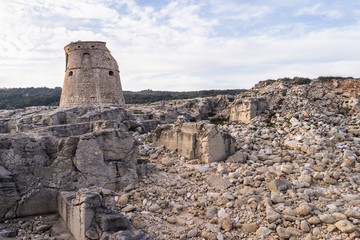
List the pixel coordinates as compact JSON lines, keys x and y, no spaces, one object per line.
{"x":92,"y":76}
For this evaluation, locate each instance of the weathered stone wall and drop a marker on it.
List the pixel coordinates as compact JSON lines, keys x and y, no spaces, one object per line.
{"x":243,"y":110}
{"x":195,"y":140}
{"x":92,"y":76}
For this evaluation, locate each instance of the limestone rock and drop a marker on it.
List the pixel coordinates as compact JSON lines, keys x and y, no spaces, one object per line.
{"x":218,"y":182}
{"x":195,"y":140}
{"x":279,"y":185}
{"x":303,"y":210}
{"x":208,"y":236}
{"x":327,"y":218}
{"x":238,"y":157}
{"x":249,"y":227}
{"x":345,"y":226}
{"x":350,"y":212}
{"x":243,"y":110}
{"x":271,"y":215}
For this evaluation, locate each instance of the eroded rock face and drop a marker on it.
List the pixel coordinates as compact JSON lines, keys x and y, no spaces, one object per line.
{"x":245,"y":109}
{"x":46,"y":150}
{"x":195,"y":140}
{"x":87,"y":215}
{"x":196,"y":109}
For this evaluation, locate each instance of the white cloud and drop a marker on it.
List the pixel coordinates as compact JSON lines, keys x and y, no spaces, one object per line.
{"x":244,"y":12}
{"x":319,"y":9}
{"x":173,"y":47}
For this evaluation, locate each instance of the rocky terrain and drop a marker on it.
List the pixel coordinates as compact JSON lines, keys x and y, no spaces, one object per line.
{"x":289,"y":166}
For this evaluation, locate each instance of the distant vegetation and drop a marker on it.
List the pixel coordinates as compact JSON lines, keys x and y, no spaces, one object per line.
{"x":12,"y":98}
{"x":148,"y":96}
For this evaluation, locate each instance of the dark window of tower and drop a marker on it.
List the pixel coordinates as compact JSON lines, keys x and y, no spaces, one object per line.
{"x":70,"y":73}
{"x":78,"y":46}
{"x":92,"y":46}
{"x":111,"y":73}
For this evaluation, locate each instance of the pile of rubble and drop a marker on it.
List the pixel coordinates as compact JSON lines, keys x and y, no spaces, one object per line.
{"x":286,"y":166}
{"x":295,"y":173}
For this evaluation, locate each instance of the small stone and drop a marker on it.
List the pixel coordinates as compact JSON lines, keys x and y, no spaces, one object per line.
{"x":303,"y":210}
{"x":211,"y":212}
{"x":167,"y":162}
{"x":318,"y":176}
{"x":42,"y":228}
{"x":350,"y":212}
{"x":339,"y":216}
{"x":354,"y":235}
{"x":331,"y":228}
{"x":225,"y":223}
{"x":234,"y":175}
{"x":294,"y":231}
{"x":171,"y":220}
{"x":316,"y":231}
{"x":155,"y":208}
{"x":247,"y":181}
{"x":314,"y":220}
{"x":277,"y":198}
{"x":238,"y":157}
{"x":283,"y":232}
{"x":345,"y":226}
{"x":279,"y":185}
{"x":305,"y":178}
{"x":349,"y":158}
{"x":128,"y":208}
{"x":309,"y":237}
{"x":222,"y":170}
{"x":271,"y":215}
{"x":289,"y":218}
{"x":181,"y":191}
{"x":218,"y":182}
{"x":263,"y":231}
{"x":304,"y":226}
{"x":289,"y":211}
{"x":123,"y":199}
{"x":249,"y":227}
{"x":208,"y":236}
{"x":204,"y":168}
{"x":327,"y":218}
{"x":222,"y":213}
{"x":332,"y":208}
{"x":329,"y":180}
{"x":287,"y":169}
{"x":192,"y":233}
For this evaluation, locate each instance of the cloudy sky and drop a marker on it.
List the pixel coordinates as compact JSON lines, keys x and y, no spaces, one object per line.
{"x":182,"y":45}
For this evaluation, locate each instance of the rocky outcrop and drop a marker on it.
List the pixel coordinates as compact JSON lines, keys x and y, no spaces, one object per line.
{"x":242,"y":110}
{"x":48,"y":150}
{"x":87,"y":215}
{"x":191,"y":109}
{"x":195,"y":140}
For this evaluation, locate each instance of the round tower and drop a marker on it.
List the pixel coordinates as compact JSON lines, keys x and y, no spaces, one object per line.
{"x":92,"y":76}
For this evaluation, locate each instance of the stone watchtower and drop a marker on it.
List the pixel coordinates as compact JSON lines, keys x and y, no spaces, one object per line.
{"x":92,"y":76}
